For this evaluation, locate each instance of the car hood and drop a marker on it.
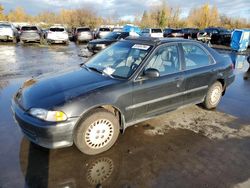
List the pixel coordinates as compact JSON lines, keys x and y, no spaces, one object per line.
{"x":55,"y":90}
{"x":102,"y":41}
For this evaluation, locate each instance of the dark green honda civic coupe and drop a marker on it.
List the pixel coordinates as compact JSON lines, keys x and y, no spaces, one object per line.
{"x":131,"y":81}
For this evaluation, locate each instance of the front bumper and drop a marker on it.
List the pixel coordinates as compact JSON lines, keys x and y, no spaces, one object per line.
{"x":95,"y":49}
{"x":45,"y":134}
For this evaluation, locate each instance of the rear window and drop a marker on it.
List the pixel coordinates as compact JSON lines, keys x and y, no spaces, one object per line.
{"x":4,"y":25}
{"x":104,"y":29}
{"x":29,"y":28}
{"x":156,"y":31}
{"x":56,"y":29}
{"x":83,"y":29}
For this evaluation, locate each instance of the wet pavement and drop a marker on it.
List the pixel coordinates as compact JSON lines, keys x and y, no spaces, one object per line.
{"x":189,"y":147}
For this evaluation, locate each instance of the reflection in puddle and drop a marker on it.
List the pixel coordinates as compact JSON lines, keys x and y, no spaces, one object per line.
{"x":100,"y":170}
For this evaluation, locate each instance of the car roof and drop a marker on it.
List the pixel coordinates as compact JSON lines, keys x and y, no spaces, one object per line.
{"x":155,"y":41}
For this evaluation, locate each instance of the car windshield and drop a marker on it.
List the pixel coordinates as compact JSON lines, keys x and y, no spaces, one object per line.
{"x":83,"y":29}
{"x":104,"y":29}
{"x":222,"y":30}
{"x":29,"y":28}
{"x":56,"y":29}
{"x":156,"y":31}
{"x":177,"y":31}
{"x":119,"y":60}
{"x":113,"y":35}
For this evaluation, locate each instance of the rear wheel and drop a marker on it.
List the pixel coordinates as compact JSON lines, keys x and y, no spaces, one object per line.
{"x":213,"y":96}
{"x":97,"y":132}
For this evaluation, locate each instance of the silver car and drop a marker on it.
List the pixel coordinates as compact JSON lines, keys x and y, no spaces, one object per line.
{"x":30,"y":34}
{"x":102,"y":32}
{"x":82,"y":34}
{"x":8,"y":32}
{"x":57,"y":34}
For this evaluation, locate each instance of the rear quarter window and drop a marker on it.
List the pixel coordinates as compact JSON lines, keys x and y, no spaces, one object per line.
{"x":195,"y":56}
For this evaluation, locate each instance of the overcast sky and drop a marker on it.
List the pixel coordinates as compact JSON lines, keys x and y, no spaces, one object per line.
{"x":127,"y":8}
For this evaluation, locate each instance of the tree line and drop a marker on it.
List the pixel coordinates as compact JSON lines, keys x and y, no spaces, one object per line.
{"x":161,"y":16}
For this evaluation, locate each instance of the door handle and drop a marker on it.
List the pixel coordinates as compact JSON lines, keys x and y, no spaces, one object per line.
{"x":179,"y":81}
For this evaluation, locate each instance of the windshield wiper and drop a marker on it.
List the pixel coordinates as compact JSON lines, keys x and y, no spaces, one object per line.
{"x":94,"y":69}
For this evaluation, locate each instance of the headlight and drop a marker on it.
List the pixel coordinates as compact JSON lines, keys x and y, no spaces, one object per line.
{"x":53,"y":116}
{"x":101,"y":45}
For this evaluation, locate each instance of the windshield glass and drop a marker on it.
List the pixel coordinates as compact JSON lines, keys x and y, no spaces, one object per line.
{"x":119,"y":60}
{"x":4,"y":25}
{"x":222,"y":30}
{"x":113,"y":35}
{"x":83,"y":29}
{"x":29,"y":28}
{"x":156,"y":31}
{"x":56,"y":29}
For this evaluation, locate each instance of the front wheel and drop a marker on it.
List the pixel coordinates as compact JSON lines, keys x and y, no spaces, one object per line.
{"x":97,"y":132}
{"x":213,"y":96}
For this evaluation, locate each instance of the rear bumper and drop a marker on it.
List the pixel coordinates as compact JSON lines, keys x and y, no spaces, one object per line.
{"x":45,"y":134}
{"x":84,"y":38}
{"x":30,"y":39}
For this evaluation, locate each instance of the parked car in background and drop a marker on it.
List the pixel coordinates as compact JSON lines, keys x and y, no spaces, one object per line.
{"x":117,"y":29}
{"x":8,"y":32}
{"x":57,"y":34}
{"x":204,"y":37}
{"x":190,"y":33}
{"x":82,"y":34}
{"x":102,"y":32}
{"x":131,"y":81}
{"x":100,"y":44}
{"x":167,"y":31}
{"x":174,"y":33}
{"x":219,"y":35}
{"x":152,"y":32}
{"x":30,"y":34}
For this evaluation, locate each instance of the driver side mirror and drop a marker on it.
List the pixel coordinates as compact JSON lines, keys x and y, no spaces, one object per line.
{"x":151,"y":73}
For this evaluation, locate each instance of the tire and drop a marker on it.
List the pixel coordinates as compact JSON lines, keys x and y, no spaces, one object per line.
{"x":67,"y":42}
{"x":213,"y":96}
{"x":98,"y":128}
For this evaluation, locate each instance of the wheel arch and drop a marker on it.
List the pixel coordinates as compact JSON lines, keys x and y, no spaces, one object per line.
{"x":111,"y":108}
